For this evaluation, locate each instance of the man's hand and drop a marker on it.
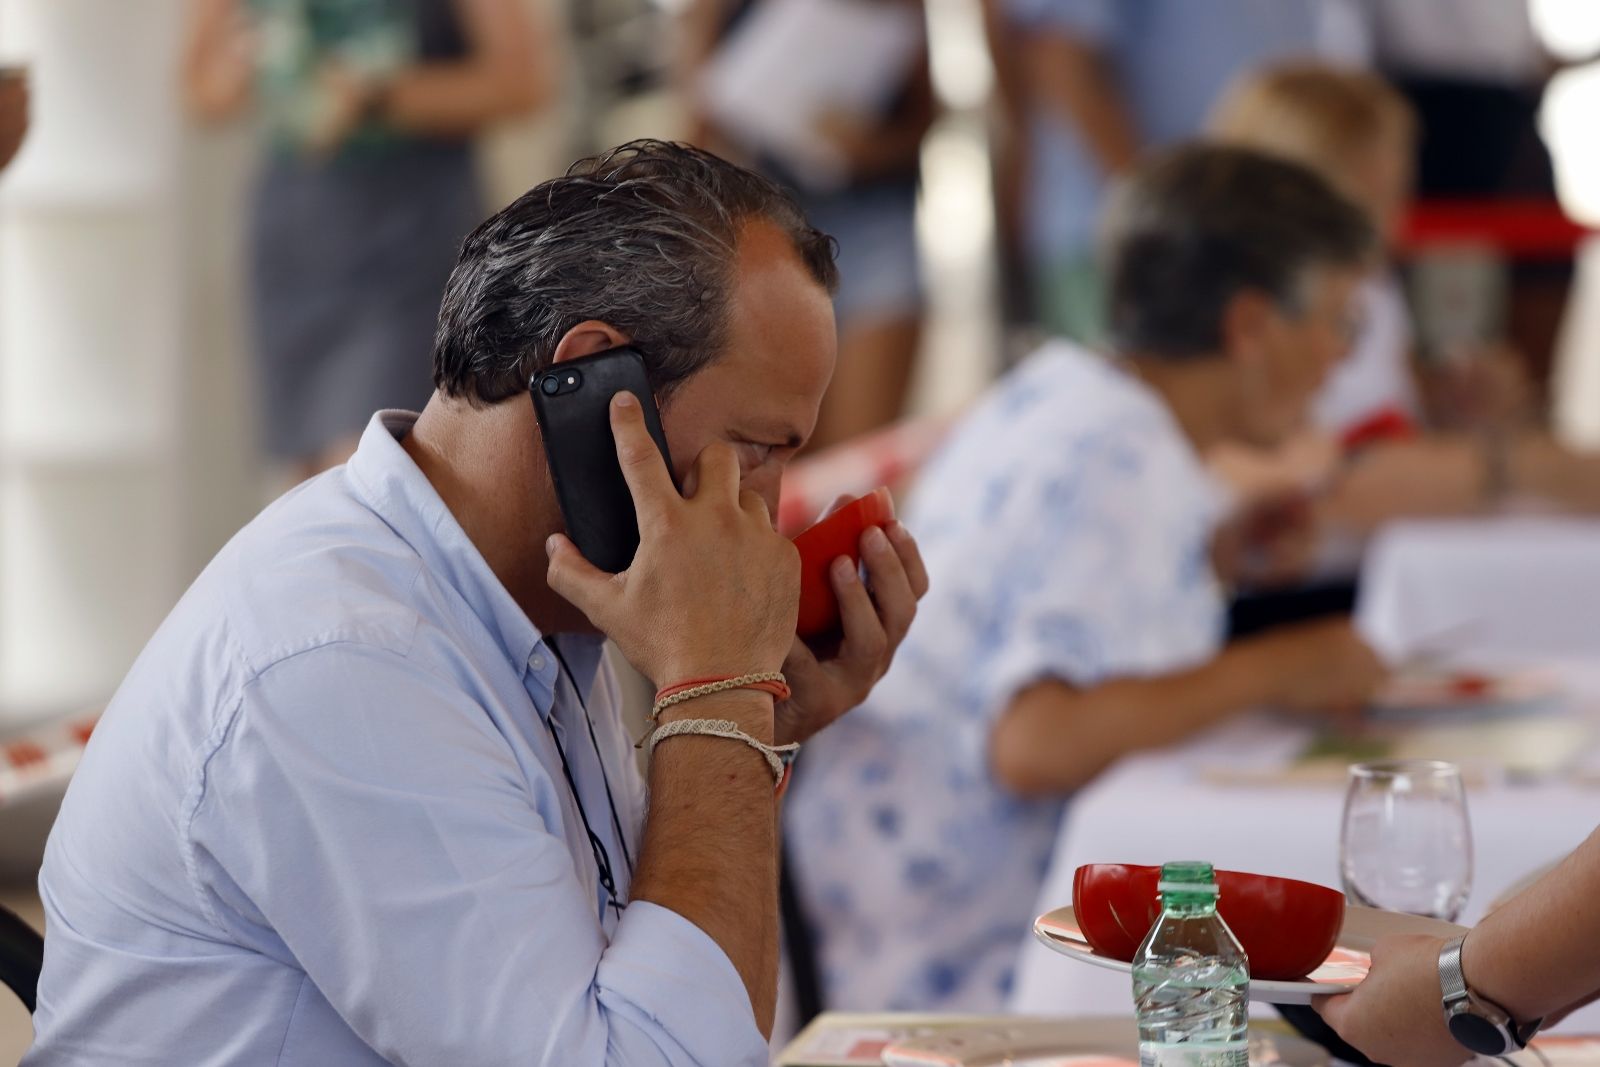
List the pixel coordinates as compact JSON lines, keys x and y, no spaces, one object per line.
{"x":713,"y":589}
{"x":1394,"y":1016}
{"x":1318,"y":667}
{"x":13,"y":113}
{"x":829,"y":682}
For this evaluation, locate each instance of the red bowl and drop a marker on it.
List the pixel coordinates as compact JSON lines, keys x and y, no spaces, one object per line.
{"x":1286,"y":927}
{"x":837,"y":535}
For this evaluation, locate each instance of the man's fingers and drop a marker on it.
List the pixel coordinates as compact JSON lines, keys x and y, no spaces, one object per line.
{"x":910,"y":557}
{"x":644,"y":469}
{"x":753,"y":503}
{"x":891,"y":588}
{"x":865,"y":640}
{"x":587,"y":587}
{"x":1332,"y":1009}
{"x":716,"y":473}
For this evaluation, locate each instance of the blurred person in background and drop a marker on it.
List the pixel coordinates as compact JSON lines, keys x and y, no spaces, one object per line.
{"x":854,"y":161}
{"x":366,"y":189}
{"x":1104,"y":80}
{"x":13,"y":112}
{"x":1368,"y":455}
{"x":1077,"y":550}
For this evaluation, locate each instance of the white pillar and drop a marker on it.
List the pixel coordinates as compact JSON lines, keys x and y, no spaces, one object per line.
{"x":91,"y":389}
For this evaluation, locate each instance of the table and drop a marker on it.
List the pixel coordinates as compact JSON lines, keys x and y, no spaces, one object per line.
{"x":1170,"y":805}
{"x":1519,"y":587}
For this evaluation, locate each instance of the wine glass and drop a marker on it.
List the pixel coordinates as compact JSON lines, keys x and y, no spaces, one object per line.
{"x":1406,"y":844}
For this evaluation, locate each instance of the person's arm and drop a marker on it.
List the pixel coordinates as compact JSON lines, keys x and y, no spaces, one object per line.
{"x":1534,"y":957}
{"x":890,"y":146}
{"x":1053,"y":738}
{"x":712,"y":591}
{"x":13,"y":115}
{"x":1453,"y":474}
{"x":697,"y":31}
{"x":509,"y":70}
{"x":1074,"y":78}
{"x":218,"y":60}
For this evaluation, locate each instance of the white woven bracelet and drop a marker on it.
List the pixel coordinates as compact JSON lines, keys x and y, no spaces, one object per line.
{"x":778,"y":756}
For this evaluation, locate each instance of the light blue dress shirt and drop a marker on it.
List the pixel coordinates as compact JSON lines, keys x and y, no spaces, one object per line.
{"x":324,"y":821}
{"x":1172,"y":59}
{"x":1066,"y":527}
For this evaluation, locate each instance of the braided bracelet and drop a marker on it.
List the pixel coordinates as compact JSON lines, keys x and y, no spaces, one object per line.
{"x":769,"y":682}
{"x":778,"y":757}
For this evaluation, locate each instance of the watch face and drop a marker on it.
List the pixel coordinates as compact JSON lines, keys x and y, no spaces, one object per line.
{"x":1478,"y":1034}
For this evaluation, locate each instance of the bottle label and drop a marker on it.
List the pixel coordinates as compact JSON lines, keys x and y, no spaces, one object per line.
{"x":1194,"y":1054}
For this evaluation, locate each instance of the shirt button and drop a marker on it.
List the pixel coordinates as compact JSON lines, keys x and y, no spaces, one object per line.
{"x":537,"y":662}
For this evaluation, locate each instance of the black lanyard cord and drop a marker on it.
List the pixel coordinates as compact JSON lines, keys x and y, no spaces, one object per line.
{"x":602,"y":858}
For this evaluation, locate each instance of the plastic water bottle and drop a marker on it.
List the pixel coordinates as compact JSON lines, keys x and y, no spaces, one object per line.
{"x":1191,"y":979}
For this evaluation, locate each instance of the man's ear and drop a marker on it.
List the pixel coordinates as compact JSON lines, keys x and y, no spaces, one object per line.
{"x":587,"y":338}
{"x":1247,"y":318}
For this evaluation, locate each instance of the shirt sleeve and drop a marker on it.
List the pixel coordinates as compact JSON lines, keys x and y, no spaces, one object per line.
{"x":363,"y":820}
{"x":1083,"y":592}
{"x":1091,"y":20}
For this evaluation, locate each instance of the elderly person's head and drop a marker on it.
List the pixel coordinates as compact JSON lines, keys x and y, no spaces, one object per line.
{"x":1236,"y":259}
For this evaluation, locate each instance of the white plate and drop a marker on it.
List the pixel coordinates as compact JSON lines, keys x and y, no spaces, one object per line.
{"x":1484,"y":692}
{"x":1346,"y":966}
{"x":1019,"y":1042}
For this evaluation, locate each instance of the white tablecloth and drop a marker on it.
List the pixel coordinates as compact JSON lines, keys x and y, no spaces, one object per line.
{"x":1531,"y":589}
{"x":1164,"y":806}
{"x":1517,"y":587}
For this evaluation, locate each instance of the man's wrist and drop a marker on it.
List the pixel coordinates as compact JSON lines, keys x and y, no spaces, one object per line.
{"x":750,"y":709}
{"x":1478,"y":957}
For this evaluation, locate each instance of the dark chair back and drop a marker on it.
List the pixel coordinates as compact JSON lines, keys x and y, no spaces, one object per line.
{"x":21,"y":958}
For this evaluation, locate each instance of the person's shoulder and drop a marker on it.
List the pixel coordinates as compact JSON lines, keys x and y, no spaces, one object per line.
{"x":317,"y":567}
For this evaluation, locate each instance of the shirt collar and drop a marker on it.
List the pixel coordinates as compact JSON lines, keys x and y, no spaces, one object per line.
{"x":389,"y":482}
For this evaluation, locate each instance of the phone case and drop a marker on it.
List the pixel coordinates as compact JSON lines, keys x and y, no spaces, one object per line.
{"x":582,"y":454}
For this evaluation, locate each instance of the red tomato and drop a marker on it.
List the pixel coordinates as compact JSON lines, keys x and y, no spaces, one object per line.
{"x":1287,"y":928}
{"x":1471,"y":685}
{"x":837,"y":535}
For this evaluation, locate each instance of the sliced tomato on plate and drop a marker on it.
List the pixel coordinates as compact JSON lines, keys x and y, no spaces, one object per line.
{"x":1286,"y":927}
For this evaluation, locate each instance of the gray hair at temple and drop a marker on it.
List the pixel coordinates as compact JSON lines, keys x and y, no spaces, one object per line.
{"x":1197,"y":225}
{"x":643,"y":238}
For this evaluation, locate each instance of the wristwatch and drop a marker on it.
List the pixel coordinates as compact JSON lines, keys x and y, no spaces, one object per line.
{"x":1476,"y":1023}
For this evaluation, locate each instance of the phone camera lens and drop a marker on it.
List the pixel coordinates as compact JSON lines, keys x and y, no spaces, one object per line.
{"x":551,"y":385}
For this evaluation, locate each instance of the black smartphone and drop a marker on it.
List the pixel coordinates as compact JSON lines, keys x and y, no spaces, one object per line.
{"x":573,"y":401}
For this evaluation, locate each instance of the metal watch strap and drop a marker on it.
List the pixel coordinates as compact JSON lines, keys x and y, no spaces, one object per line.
{"x":1457,"y":1000}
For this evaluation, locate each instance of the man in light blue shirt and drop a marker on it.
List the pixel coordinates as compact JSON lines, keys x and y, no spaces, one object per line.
{"x":1105,"y":79}
{"x":365,"y":798}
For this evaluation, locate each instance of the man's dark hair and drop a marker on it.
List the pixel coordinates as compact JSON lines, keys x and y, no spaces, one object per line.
{"x":1201,"y":223}
{"x":642,"y":238}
